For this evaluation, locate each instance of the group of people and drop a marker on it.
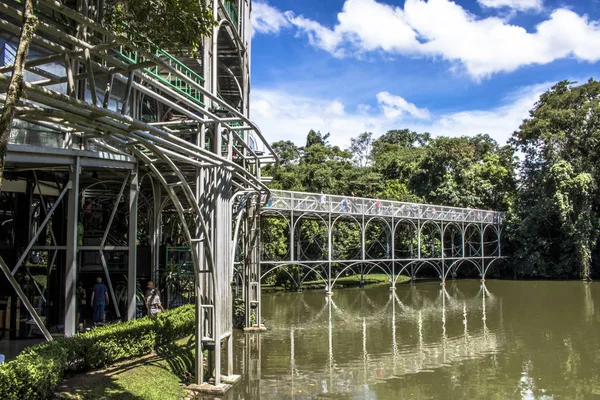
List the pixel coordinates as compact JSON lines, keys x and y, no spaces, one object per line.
{"x":100,"y":300}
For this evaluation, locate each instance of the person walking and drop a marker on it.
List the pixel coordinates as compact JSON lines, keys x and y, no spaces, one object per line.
{"x":153,"y":304}
{"x":81,"y":305}
{"x":99,"y":300}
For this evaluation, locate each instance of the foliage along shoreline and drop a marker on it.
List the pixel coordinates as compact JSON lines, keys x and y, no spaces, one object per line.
{"x":550,"y":193}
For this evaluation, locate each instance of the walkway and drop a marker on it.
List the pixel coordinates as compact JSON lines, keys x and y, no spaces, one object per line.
{"x":394,"y":237}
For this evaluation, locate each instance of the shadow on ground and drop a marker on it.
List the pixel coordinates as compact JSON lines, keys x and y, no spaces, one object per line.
{"x":102,"y":384}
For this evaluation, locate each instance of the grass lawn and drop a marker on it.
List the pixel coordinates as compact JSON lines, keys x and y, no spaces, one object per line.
{"x":346,"y":281}
{"x":158,"y":376}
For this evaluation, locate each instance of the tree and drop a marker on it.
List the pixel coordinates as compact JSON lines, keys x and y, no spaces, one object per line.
{"x":556,"y":219}
{"x":314,"y":138}
{"x":360,"y":147}
{"x":15,"y":87}
{"x":287,"y":152}
{"x":176,"y":25}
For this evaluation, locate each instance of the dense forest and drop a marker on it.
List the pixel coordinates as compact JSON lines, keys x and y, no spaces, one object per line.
{"x":546,"y":177}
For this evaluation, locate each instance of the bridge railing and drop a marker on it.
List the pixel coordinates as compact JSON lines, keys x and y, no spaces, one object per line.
{"x":358,"y":206}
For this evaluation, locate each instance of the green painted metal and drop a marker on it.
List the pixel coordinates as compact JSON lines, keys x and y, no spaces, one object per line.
{"x":165,"y":76}
{"x":231,"y":9}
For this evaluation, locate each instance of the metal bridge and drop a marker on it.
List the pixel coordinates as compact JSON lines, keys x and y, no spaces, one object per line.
{"x":117,"y":147}
{"x":331,"y":236}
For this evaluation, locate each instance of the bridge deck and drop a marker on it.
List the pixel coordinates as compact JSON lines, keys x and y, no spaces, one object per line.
{"x":287,"y":201}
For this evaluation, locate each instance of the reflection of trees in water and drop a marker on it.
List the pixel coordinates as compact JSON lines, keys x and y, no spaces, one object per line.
{"x":378,"y":327}
{"x":536,"y":341}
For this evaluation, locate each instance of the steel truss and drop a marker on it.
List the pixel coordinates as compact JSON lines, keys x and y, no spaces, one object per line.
{"x":391,"y":237}
{"x":178,"y":126}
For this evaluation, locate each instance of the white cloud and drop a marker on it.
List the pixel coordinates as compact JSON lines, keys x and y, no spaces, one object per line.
{"x":442,"y":28}
{"x":282,"y":116}
{"x":499,"y":122}
{"x":521,"y":5}
{"x":394,"y":107}
{"x":267,"y":19}
{"x":335,"y":108}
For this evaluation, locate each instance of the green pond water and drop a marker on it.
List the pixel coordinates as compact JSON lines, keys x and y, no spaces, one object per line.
{"x":501,"y":340}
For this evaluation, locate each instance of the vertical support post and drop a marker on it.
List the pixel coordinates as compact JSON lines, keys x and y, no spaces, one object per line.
{"x":71,"y":260}
{"x":292,"y":228}
{"x":199,"y":371}
{"x":482,"y":249}
{"x":132,"y":236}
{"x":393,"y":234}
{"x":499,"y":231}
{"x":157,"y":232}
{"x":329,"y":252}
{"x":442,"y":255}
{"x":463,"y":239}
{"x":420,"y":227}
{"x":362,"y":238}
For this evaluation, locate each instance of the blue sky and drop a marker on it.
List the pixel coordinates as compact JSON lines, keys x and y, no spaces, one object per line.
{"x":448,"y":68}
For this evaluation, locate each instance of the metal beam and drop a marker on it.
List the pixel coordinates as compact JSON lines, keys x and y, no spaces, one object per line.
{"x":25,"y":300}
{"x":41,"y":228}
{"x":72,"y":243}
{"x":132,"y":237}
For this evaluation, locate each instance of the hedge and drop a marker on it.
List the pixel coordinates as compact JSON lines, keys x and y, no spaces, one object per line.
{"x":35,"y":373}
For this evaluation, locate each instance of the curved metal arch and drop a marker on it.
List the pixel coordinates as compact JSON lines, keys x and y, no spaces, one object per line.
{"x":339,"y":217}
{"x":303,"y":215}
{"x":275,"y":213}
{"x":189,"y":196}
{"x":231,"y":74}
{"x":398,"y":223}
{"x":476,"y":225}
{"x":453,"y":223}
{"x":98,"y":183}
{"x":456,"y":264}
{"x":291,"y":264}
{"x":431,"y":222}
{"x":350,"y":266}
{"x":486,"y":269}
{"x":461,"y":233}
{"x":492,"y":226}
{"x":423,"y":262}
{"x":496,"y":231}
{"x":371,"y":219}
{"x":238,"y":39}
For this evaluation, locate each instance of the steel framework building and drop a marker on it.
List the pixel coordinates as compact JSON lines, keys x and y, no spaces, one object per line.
{"x":117,"y":145}
{"x":394,"y":237}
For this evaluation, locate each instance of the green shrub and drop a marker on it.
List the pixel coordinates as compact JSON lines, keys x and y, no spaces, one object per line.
{"x":36,"y":372}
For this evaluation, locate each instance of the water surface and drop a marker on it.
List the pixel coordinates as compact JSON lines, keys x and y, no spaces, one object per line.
{"x":501,"y":340}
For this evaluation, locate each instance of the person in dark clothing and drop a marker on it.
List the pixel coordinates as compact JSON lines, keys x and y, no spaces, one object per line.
{"x":153,"y":304}
{"x":99,"y":300}
{"x":81,"y":302}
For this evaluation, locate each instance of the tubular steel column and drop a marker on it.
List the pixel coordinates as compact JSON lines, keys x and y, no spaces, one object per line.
{"x":199,"y":248}
{"x":419,"y":226}
{"x":132,"y":237}
{"x":71,"y":261}
{"x":329,"y":253}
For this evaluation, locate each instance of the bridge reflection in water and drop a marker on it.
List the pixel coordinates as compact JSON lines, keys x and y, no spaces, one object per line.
{"x":366,"y":338}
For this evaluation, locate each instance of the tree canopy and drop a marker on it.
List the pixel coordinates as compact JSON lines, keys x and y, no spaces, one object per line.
{"x":175,"y":25}
{"x":556,"y":218}
{"x":551,"y":192}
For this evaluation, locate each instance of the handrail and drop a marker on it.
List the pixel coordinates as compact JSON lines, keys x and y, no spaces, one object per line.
{"x":325,"y":203}
{"x":172,"y":81}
